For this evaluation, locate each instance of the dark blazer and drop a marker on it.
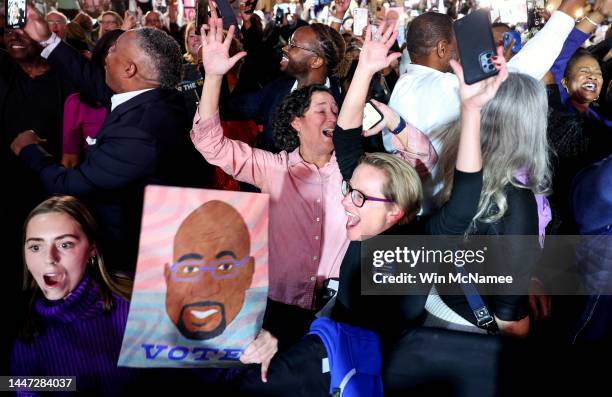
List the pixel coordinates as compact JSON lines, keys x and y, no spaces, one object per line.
{"x":143,"y":141}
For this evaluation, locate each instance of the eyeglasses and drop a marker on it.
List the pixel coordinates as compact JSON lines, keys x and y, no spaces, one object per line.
{"x":358,"y":197}
{"x":55,"y":22}
{"x":292,"y":44}
{"x":192,"y":271}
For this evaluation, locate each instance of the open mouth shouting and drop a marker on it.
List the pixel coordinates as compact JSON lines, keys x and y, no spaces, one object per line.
{"x":328,"y":132}
{"x":53,"y":280}
{"x":284,"y":60}
{"x":589,"y":86}
{"x":352,"y":221}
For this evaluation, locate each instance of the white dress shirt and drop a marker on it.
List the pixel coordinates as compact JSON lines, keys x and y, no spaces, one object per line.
{"x":118,"y":99}
{"x":428,"y":99}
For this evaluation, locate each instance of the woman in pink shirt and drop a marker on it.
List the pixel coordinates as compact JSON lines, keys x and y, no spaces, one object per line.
{"x":307,"y":221}
{"x":83,"y":117}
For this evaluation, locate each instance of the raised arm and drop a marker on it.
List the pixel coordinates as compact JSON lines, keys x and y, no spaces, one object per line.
{"x":217,"y":62}
{"x":85,"y":75}
{"x":236,"y":158}
{"x":538,"y":55}
{"x":579,"y":35}
{"x":347,"y":137}
{"x":455,"y":216}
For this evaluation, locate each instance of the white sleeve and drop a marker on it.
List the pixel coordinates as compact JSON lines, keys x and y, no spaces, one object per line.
{"x":429,"y":103}
{"x":539,"y":54}
{"x":49,"y":45}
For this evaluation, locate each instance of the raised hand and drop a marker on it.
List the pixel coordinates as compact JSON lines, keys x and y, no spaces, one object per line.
{"x":215,"y":50}
{"x":36,"y":27}
{"x":129,"y":22}
{"x":475,"y":96}
{"x":374,"y":54}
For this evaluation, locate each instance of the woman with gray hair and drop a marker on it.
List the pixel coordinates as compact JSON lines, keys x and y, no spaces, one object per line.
{"x":516,"y":176}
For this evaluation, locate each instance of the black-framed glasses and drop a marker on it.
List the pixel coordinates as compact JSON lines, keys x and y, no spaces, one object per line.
{"x":291,"y":44}
{"x":358,"y":197}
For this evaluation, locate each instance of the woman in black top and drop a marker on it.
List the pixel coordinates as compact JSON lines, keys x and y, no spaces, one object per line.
{"x":385,"y":192}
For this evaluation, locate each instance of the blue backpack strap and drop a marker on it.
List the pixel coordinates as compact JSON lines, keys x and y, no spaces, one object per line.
{"x":484,"y":319}
{"x":354,"y":355}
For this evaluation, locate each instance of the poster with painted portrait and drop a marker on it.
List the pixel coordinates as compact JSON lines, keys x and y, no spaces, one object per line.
{"x":201,"y":280}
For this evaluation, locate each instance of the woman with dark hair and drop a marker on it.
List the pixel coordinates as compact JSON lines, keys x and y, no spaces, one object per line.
{"x":76,"y":311}
{"x":83,"y":117}
{"x":381,"y":196}
{"x":303,"y":182}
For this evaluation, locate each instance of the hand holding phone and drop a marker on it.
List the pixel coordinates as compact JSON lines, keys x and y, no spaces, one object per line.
{"x":371,"y":116}
{"x":475,"y":96}
{"x":476,"y":46}
{"x":16,"y":13}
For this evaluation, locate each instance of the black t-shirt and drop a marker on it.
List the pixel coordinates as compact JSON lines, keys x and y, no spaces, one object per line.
{"x":191,"y":86}
{"x":389,"y":315}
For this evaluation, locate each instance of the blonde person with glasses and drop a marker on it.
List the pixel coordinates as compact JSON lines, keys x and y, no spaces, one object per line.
{"x":382,"y":195}
{"x":109,"y":20}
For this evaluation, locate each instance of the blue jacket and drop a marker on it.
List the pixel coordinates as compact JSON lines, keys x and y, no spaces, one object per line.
{"x":354,"y":355}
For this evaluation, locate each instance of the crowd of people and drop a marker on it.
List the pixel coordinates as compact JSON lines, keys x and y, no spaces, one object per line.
{"x":98,"y":101}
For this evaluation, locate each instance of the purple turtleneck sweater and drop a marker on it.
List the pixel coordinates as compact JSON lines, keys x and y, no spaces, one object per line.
{"x":78,"y":339}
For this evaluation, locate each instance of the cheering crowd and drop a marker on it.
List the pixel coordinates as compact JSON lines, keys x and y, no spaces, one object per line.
{"x":97,"y":103}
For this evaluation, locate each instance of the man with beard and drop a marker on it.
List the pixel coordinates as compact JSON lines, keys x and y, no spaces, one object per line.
{"x":211,"y":271}
{"x":311,"y":56}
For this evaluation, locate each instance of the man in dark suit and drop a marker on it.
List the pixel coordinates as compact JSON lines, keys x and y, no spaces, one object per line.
{"x":143,"y":140}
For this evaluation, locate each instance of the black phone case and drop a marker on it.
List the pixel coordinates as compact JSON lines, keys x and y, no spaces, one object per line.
{"x":476,"y":46}
{"x":201,"y":14}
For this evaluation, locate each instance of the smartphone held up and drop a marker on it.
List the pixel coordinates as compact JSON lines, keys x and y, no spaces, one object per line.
{"x":476,"y":46}
{"x":371,"y":116}
{"x":202,"y":14}
{"x":16,"y":13}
